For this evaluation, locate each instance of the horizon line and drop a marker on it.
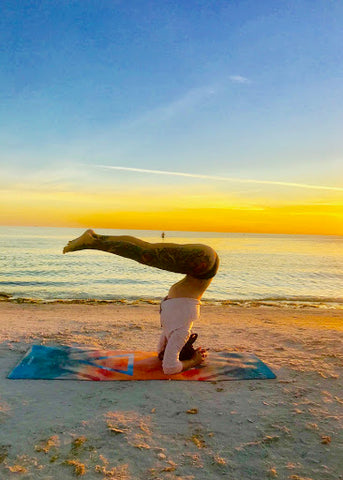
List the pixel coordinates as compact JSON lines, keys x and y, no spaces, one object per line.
{"x":234,"y":232}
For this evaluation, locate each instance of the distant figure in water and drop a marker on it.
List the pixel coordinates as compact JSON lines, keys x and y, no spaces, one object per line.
{"x":163,"y":235}
{"x":181,"y":307}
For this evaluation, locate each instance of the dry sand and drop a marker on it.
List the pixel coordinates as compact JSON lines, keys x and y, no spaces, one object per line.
{"x":288,"y":428}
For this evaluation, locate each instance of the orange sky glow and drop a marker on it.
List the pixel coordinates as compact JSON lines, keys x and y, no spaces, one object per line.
{"x":188,"y":210}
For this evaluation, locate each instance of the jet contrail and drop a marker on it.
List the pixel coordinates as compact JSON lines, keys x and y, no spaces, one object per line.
{"x":225,"y":179}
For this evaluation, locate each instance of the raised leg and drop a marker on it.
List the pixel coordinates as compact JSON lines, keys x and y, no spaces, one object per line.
{"x":200,"y":262}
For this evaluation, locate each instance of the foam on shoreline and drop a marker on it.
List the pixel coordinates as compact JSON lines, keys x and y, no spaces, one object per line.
{"x":329,"y":304}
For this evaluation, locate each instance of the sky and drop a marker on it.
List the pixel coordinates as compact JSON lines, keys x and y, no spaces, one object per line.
{"x":194,"y":115}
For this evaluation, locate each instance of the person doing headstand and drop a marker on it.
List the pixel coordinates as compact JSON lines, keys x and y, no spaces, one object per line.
{"x":181,"y":307}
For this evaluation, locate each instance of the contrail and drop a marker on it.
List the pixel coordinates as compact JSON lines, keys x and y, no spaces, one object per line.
{"x":225,"y":179}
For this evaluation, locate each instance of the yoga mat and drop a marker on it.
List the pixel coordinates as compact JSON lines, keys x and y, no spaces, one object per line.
{"x":69,"y":363}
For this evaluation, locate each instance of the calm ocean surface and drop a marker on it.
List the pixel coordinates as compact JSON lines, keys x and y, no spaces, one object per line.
{"x":274,"y":268}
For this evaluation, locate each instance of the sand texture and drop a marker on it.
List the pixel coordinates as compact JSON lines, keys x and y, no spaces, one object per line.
{"x":287,"y":428}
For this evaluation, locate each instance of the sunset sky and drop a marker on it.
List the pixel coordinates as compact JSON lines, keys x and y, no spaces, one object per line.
{"x":172,"y":115}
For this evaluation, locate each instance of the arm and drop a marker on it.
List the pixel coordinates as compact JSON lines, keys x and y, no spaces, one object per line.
{"x":171,"y":363}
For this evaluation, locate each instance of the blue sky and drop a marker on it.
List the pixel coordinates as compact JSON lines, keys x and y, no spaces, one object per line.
{"x":240,"y":89}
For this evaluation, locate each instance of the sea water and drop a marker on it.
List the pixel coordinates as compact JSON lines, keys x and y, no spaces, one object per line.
{"x":303,"y":269}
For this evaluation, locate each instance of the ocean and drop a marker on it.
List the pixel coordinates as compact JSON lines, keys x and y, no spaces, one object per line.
{"x":268,"y":269}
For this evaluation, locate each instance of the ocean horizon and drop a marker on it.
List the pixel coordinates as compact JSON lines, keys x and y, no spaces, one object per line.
{"x":264,"y":268}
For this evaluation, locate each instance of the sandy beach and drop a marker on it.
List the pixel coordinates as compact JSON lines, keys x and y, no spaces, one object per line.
{"x":287,"y":428}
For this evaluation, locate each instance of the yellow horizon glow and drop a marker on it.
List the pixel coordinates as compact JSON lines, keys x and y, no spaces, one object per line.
{"x":187,"y":210}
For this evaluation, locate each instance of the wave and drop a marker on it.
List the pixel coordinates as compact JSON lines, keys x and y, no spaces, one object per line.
{"x":286,"y":302}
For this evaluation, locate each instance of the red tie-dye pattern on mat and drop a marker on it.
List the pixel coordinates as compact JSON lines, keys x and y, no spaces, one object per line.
{"x":69,"y":363}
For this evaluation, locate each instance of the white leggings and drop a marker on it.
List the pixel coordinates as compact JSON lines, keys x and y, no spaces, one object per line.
{"x":177,"y":317}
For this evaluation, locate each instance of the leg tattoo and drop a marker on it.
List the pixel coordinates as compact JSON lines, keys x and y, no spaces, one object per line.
{"x":195,"y":260}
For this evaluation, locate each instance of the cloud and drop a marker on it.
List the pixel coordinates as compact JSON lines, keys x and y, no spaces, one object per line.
{"x":190,"y":99}
{"x":239,"y":79}
{"x":179,"y":106}
{"x":217,"y":178}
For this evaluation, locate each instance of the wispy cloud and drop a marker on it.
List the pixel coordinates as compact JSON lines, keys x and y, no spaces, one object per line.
{"x":189,"y":100}
{"x":192,"y":98}
{"x":179,"y":106}
{"x":217,"y":178}
{"x":239,"y":79}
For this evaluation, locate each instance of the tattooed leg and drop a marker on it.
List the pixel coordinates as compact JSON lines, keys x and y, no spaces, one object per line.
{"x":198,"y":261}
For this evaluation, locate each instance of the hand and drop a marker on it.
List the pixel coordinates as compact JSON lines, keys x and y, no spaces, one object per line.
{"x":199,"y":356}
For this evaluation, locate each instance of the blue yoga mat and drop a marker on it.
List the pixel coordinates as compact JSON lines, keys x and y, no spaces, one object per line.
{"x":69,"y":363}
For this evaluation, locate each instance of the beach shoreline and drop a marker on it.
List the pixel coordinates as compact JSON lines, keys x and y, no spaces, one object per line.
{"x":287,"y":428}
{"x":287,"y":302}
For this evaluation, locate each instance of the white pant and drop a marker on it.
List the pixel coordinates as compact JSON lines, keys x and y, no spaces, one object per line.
{"x":177,"y":317}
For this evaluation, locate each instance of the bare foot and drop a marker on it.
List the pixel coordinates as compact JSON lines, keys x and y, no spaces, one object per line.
{"x":86,"y":239}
